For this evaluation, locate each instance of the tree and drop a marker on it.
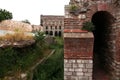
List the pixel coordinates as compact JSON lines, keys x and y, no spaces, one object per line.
{"x":4,"y":15}
{"x":26,"y":21}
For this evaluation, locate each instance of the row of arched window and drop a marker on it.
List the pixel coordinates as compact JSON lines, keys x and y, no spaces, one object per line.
{"x":54,"y":33}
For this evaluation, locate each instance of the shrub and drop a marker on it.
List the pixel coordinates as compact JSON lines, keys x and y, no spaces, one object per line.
{"x":74,"y":9}
{"x":17,"y":36}
{"x":88,"y":26}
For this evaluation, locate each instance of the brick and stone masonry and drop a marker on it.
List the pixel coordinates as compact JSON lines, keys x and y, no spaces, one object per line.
{"x":78,"y":53}
{"x":79,"y":45}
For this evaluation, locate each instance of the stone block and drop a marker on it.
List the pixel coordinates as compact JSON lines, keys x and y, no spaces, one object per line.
{"x":88,"y":74}
{"x":71,"y":61}
{"x":79,"y":61}
{"x":67,"y":65}
{"x":83,"y":78}
{"x":89,"y":65}
{"x":75,"y":65}
{"x":78,"y":70}
{"x":67,"y":73}
{"x":71,"y":69}
{"x":79,"y":73}
{"x":81,"y":65}
{"x":65,"y":61}
{"x":65,"y":69}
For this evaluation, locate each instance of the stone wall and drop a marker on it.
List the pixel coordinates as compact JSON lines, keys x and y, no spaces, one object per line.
{"x":52,"y":25}
{"x":78,"y":69}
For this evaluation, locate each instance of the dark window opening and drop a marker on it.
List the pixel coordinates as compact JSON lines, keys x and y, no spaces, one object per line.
{"x":46,"y":32}
{"x":51,"y":32}
{"x":56,"y":34}
{"x":59,"y":33}
{"x":46,"y":27}
{"x":50,"y":27}
{"x":55,"y":27}
{"x":59,"y":27}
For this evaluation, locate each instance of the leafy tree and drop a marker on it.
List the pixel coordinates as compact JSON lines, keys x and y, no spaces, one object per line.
{"x":26,"y":21}
{"x":4,"y":15}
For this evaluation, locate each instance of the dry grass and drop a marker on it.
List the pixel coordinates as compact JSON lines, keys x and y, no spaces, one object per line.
{"x":17,"y":36}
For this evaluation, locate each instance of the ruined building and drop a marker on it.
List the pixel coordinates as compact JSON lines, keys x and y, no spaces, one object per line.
{"x":52,"y":25}
{"x":92,"y":55}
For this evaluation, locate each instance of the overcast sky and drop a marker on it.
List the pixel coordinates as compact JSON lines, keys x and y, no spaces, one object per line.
{"x":32,"y":9}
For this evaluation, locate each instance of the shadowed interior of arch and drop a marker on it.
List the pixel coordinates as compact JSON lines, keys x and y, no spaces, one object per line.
{"x":102,"y":56}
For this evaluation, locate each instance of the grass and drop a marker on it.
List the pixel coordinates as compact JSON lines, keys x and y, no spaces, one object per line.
{"x":17,"y":36}
{"x":52,"y":69}
{"x":15,"y":60}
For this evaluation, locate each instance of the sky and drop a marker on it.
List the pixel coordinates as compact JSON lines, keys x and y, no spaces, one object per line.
{"x":32,"y":9}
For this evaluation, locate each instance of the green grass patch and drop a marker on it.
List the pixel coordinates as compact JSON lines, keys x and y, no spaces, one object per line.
{"x":52,"y":68}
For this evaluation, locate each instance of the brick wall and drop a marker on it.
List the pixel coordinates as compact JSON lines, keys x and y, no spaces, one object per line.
{"x":78,"y":47}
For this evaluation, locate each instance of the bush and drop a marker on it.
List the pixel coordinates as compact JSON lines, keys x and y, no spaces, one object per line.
{"x":7,"y":59}
{"x":17,"y":36}
{"x":74,"y":9}
{"x":88,"y":26}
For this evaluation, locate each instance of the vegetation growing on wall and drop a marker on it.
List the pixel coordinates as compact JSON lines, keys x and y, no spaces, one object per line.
{"x":74,"y":9}
{"x":88,"y":26}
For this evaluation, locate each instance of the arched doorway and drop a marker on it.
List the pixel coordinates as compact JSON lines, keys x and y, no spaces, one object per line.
{"x":103,"y":56}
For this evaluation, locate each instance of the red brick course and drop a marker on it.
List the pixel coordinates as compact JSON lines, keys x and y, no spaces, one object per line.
{"x":74,"y":31}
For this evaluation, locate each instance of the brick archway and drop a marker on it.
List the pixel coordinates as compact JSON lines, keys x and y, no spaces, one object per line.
{"x":102,"y":54}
